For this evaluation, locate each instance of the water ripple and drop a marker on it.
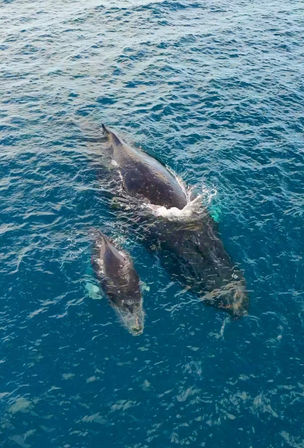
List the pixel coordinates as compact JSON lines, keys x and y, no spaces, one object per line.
{"x":215,"y":91}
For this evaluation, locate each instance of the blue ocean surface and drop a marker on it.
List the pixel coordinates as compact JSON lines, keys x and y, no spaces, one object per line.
{"x":214,"y":90}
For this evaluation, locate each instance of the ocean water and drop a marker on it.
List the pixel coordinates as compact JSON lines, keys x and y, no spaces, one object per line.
{"x":214,"y":89}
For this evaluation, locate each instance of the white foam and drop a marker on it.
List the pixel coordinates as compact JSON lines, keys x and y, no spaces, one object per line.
{"x":175,"y":213}
{"x":208,"y":194}
{"x":192,"y":209}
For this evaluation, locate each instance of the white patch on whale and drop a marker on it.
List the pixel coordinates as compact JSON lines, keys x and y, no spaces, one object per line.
{"x":93,"y":291}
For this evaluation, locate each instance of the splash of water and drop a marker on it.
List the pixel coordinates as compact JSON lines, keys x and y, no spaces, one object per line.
{"x":193,"y":209}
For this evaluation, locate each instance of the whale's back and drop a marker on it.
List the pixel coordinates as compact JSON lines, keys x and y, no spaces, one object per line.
{"x":145,"y":176}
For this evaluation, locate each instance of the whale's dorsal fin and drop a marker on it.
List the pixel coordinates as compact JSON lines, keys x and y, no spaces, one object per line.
{"x":109,"y":133}
{"x":105,"y":130}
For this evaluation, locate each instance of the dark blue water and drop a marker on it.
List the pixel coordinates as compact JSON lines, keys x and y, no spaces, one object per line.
{"x":213,"y":89}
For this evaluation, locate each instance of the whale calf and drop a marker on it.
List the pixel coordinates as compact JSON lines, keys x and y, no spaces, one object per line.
{"x":118,"y":278}
{"x":143,"y":176}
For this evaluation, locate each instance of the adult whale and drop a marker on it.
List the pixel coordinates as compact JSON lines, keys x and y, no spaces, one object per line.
{"x":194,"y":254}
{"x":143,"y":176}
{"x":189,"y":246}
{"x":117,"y":276}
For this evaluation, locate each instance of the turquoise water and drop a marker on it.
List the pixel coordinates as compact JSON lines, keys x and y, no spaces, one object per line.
{"x":215,"y":91}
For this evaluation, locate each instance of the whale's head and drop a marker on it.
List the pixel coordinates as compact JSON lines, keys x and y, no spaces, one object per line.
{"x":132,"y":315}
{"x":231,"y":297}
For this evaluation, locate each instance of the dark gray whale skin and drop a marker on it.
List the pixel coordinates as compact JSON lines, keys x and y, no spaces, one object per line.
{"x":194,"y":255}
{"x":143,"y":176}
{"x":118,"y":278}
{"x":191,"y":249}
